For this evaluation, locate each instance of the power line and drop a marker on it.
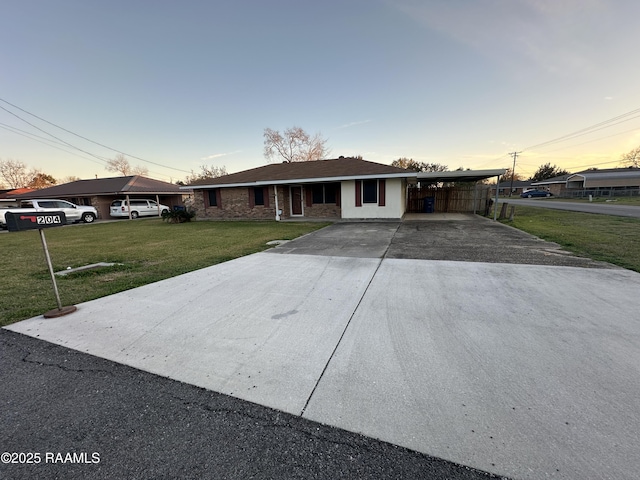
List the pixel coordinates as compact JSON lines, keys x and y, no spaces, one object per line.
{"x":80,"y":136}
{"x":593,"y":128}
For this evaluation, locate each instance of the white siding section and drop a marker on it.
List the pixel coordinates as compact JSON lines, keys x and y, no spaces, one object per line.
{"x":395,"y":199}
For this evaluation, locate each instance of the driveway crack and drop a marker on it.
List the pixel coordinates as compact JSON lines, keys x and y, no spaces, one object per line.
{"x":326,"y":366}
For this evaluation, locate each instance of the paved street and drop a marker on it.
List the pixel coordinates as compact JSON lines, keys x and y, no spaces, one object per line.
{"x":601,"y":208}
{"x":517,"y":360}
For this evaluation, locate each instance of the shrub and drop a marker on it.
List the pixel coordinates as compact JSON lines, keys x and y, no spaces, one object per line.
{"x":178,"y":216}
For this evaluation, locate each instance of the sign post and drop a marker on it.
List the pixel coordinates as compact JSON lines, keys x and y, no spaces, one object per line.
{"x":39,"y":221}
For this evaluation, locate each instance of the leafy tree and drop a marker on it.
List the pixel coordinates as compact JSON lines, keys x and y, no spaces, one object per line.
{"x":121,"y":165}
{"x":205,"y":172}
{"x":508,"y":175}
{"x":547,"y":171}
{"x":68,"y":179}
{"x":632,"y":158}
{"x":294,"y":145}
{"x":411,"y":164}
{"x":41,"y":180}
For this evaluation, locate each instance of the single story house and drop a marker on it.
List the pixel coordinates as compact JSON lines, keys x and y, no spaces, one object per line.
{"x":8,"y":198}
{"x":100,"y":192}
{"x":345,"y":188}
{"x":556,"y":185}
{"x":606,"y":182}
{"x":612,"y":178}
{"x":516,"y":189}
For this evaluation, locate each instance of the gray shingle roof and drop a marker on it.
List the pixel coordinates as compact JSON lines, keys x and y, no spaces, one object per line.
{"x":107,"y":186}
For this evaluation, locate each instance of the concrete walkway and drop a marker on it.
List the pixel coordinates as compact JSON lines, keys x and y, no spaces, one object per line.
{"x":523,"y":370}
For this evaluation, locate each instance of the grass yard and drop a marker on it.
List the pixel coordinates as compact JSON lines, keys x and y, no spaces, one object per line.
{"x":149,"y":250}
{"x":601,"y":237}
{"x":612,"y":200}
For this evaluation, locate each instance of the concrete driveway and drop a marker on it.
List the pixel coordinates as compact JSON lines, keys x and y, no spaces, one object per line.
{"x":505,"y":355}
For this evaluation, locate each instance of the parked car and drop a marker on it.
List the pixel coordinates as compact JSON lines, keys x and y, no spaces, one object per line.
{"x":536,"y":193}
{"x":139,"y":208}
{"x":74,"y":213}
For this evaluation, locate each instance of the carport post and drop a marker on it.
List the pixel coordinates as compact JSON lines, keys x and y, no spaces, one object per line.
{"x":128,"y":205}
{"x":495,"y":208}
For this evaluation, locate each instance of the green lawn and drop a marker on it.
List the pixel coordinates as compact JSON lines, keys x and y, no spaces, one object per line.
{"x":612,"y":200}
{"x":149,"y":250}
{"x":601,"y":237}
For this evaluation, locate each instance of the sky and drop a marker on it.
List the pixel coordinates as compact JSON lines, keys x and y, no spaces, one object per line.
{"x":179,"y":84}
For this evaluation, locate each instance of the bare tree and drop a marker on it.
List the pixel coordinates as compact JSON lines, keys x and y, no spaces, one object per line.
{"x":121,"y":165}
{"x":294,"y":145}
{"x":632,"y":158}
{"x":205,"y":172}
{"x":15,"y":173}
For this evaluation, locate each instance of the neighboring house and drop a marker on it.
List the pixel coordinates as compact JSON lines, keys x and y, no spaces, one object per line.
{"x":345,"y":188}
{"x":611,"y":181}
{"x":8,"y":197}
{"x":338,"y":188}
{"x":505,"y":187}
{"x":100,"y":192}
{"x":556,"y":185}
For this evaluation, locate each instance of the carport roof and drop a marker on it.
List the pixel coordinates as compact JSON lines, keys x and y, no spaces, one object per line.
{"x":460,"y":175}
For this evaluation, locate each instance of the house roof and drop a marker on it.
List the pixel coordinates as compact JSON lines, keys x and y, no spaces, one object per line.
{"x":10,"y":194}
{"x":131,"y":184}
{"x":617,"y":173}
{"x":303,"y":172}
{"x":548,"y":181}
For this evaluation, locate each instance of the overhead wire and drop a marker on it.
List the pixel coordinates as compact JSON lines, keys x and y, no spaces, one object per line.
{"x":81,"y":136}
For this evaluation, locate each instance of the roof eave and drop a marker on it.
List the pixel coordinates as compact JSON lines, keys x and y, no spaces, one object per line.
{"x":302,"y":180}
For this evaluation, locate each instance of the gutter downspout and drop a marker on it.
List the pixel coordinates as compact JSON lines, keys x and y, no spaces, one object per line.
{"x":495,"y":208}
{"x":275,"y":192}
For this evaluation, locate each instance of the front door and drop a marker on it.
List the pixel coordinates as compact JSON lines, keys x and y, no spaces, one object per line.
{"x":296,"y":200}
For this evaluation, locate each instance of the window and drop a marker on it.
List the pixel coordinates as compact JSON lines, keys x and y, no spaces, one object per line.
{"x":324,"y":192}
{"x":213,"y":198}
{"x":331,"y":193}
{"x":258,"y":193}
{"x":317,"y":191}
{"x":370,"y":191}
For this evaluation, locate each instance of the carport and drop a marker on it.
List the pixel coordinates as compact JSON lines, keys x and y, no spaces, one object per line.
{"x":451,"y":191}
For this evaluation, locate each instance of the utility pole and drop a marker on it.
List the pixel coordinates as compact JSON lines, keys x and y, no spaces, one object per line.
{"x":513,"y":170}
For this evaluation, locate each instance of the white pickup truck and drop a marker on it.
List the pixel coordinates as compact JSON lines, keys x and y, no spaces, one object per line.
{"x":74,"y":213}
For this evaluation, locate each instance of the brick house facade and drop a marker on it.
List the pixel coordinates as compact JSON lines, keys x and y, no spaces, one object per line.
{"x":331,"y":189}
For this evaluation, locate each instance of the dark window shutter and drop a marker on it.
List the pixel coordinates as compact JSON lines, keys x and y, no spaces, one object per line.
{"x":358,"y":193}
{"x":266,"y":197}
{"x":381,"y":192}
{"x":205,"y":194}
{"x":308,"y":195}
{"x":252,"y":198}
{"x":218,"y":198}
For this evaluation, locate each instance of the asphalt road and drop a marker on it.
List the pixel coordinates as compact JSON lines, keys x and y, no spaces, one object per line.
{"x":125,"y":423}
{"x":600,"y":208}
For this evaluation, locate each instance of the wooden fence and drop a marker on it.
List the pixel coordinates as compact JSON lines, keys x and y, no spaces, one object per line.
{"x":465,"y":198}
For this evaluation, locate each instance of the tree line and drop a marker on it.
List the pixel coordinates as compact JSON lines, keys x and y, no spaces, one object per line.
{"x":292,"y":145}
